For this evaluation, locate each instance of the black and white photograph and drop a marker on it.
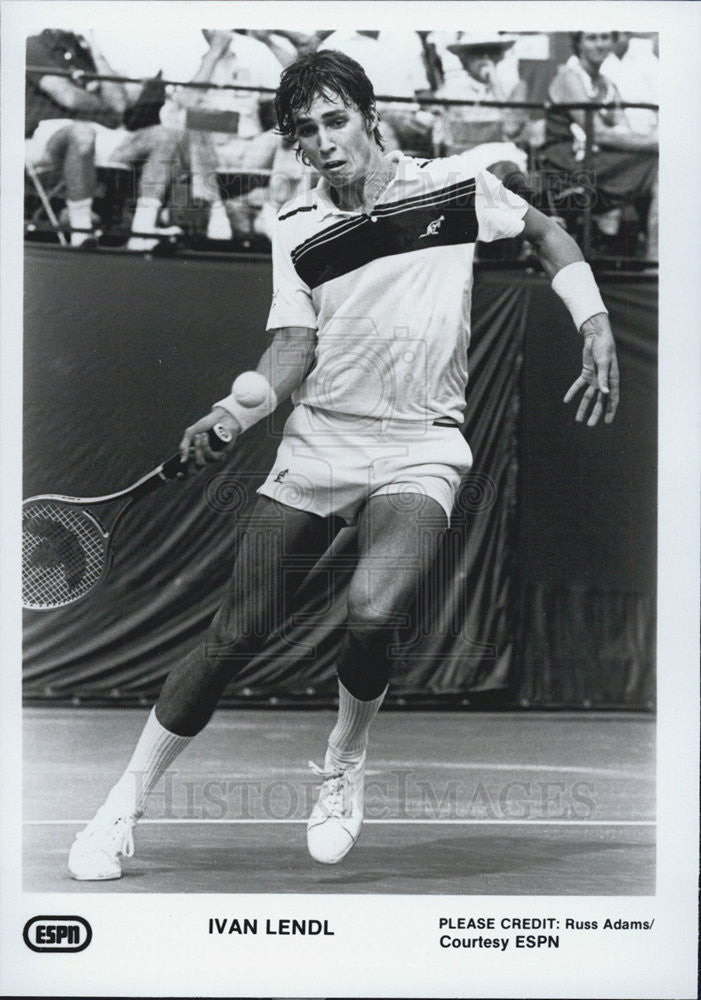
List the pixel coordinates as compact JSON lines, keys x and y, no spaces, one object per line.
{"x":350,"y":382}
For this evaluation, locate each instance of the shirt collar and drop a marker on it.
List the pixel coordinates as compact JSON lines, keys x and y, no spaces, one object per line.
{"x":407,"y":171}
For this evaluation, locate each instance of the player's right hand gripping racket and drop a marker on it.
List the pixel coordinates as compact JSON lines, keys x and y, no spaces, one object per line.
{"x":67,"y":541}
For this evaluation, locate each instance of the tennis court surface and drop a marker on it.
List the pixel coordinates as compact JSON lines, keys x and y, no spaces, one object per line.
{"x":526,"y":803}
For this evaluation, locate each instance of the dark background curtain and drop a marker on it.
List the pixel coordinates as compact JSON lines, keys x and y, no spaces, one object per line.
{"x":543,"y":593}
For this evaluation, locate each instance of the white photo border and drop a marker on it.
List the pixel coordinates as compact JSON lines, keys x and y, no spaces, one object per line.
{"x":387,"y":945}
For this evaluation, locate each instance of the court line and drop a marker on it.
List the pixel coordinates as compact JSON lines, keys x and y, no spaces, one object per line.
{"x":381,"y":767}
{"x":477,"y":766}
{"x":378,"y":768}
{"x":376,"y":822}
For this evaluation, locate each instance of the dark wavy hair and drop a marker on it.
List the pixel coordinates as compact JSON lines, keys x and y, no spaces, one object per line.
{"x":328,"y":74}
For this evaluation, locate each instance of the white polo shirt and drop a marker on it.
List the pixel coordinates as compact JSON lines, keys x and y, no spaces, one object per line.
{"x":389,"y":293}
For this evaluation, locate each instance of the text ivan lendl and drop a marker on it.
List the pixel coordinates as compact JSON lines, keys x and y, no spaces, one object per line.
{"x":278,"y":926}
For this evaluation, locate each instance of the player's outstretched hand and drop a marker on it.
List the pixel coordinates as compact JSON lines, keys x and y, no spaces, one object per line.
{"x":195,"y":445}
{"x":599,"y":378}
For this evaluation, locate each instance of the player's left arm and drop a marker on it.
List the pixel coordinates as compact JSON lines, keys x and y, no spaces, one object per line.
{"x":574,"y":282}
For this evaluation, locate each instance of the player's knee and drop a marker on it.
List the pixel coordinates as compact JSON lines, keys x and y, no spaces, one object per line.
{"x":82,"y":138}
{"x":368,"y":616}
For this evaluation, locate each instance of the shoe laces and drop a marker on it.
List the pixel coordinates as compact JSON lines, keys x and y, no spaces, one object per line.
{"x":334,"y":789}
{"x":116,"y":832}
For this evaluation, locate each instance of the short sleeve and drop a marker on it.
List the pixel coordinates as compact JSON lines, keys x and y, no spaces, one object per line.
{"x":499,"y":211}
{"x":292,"y":298}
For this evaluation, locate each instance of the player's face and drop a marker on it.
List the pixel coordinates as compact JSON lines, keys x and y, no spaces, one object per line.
{"x":337,"y":140}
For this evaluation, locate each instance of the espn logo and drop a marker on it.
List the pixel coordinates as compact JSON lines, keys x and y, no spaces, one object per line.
{"x":48,"y":933}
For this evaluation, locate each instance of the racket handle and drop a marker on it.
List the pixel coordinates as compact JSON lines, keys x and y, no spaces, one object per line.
{"x":219,"y":437}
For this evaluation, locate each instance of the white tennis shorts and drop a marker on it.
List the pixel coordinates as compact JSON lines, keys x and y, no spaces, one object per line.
{"x":107,"y":141}
{"x":329,"y":463}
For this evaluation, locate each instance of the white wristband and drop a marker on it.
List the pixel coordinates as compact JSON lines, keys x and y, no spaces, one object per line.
{"x":577,"y":288}
{"x":247,"y":416}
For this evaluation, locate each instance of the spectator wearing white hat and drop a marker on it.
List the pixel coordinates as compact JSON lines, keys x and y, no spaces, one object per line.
{"x":484,"y":135}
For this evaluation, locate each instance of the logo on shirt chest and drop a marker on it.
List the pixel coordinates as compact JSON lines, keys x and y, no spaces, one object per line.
{"x":433,"y":228}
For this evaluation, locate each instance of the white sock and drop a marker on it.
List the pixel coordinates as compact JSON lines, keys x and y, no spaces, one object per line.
{"x":80,"y":217}
{"x":145,"y":215}
{"x":218,"y":226}
{"x":349,"y":737}
{"x":155,"y":751}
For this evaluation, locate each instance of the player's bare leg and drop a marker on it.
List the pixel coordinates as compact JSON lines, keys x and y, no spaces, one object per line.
{"x":397,"y":543}
{"x":254,"y":605}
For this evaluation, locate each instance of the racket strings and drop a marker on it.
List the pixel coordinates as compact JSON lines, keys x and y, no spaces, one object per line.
{"x":63,"y":554}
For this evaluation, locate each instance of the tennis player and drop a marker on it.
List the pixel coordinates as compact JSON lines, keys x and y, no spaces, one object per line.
{"x":369,"y":324}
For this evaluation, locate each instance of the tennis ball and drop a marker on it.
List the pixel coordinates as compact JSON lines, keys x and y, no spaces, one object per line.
{"x":250,"y":389}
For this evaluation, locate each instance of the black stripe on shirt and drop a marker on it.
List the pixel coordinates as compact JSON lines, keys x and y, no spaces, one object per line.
{"x":332,"y":231}
{"x":302,"y":208}
{"x":461,"y":193}
{"x":446,"y":224}
{"x":464,"y":187}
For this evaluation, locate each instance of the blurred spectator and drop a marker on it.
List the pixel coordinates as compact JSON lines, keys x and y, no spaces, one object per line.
{"x":73,"y":125}
{"x":432,"y":61}
{"x":450,"y":65}
{"x":532,"y":46}
{"x":289,"y":175}
{"x":394,"y":61}
{"x":287,"y":45}
{"x":129,"y":45}
{"x":634,"y":70}
{"x":227,"y":130}
{"x":624,"y":164}
{"x":483,"y":134}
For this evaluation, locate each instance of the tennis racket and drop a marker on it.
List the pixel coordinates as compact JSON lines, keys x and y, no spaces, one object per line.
{"x":67,"y":541}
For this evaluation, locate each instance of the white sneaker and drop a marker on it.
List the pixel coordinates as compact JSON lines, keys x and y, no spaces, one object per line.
{"x":336,"y":819}
{"x":95,"y":852}
{"x":219,"y":227}
{"x":163,"y":236}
